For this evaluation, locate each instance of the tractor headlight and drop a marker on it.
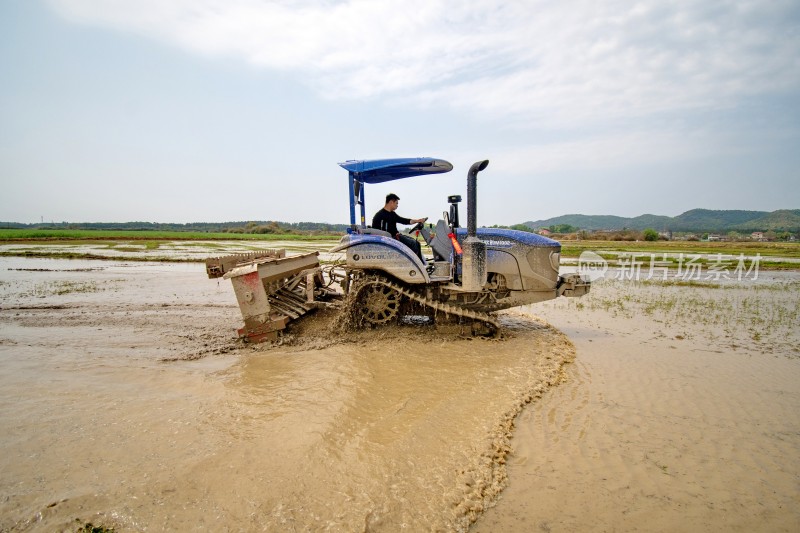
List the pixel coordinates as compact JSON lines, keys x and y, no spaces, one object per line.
{"x":555,"y":260}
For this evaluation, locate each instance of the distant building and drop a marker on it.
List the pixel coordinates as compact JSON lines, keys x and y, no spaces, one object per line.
{"x":544,"y":231}
{"x":758,"y":236}
{"x":714,"y":237}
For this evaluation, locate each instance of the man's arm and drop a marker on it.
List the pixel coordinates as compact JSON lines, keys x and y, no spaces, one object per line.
{"x":407,"y":221}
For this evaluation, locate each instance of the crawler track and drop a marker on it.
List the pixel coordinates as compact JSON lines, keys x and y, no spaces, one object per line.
{"x":437,"y":307}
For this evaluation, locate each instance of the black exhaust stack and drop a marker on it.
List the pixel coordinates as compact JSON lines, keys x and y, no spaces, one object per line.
{"x":473,"y":274}
{"x":472,"y":196}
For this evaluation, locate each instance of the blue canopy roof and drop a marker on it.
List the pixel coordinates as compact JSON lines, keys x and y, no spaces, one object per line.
{"x":380,"y":170}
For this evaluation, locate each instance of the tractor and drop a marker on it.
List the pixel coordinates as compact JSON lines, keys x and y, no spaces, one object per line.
{"x":469,"y":272}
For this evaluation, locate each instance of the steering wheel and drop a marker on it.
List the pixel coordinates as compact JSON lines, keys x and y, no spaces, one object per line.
{"x":418,"y":226}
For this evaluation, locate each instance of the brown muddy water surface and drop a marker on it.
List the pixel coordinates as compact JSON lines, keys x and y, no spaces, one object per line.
{"x":681,"y":413}
{"x":127,"y":402}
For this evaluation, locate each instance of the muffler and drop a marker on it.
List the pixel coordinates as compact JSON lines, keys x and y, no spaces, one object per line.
{"x":473,"y":266}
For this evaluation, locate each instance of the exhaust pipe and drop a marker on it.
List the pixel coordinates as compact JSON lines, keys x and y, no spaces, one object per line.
{"x":473,"y":274}
{"x":472,"y":200}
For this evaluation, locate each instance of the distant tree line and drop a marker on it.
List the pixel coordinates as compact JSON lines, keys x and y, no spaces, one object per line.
{"x":269,"y":226}
{"x":280,"y":228}
{"x":563,"y":228}
{"x":555,"y":228}
{"x":518,"y":227}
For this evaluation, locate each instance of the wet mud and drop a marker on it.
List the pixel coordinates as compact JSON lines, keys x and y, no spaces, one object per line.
{"x":127,"y":401}
{"x":682,"y":413}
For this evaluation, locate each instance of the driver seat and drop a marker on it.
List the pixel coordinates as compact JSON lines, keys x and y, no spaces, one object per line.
{"x":440,"y":244}
{"x":373,"y":231}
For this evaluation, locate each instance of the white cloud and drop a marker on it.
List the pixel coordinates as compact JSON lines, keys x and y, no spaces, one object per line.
{"x":542,"y":62}
{"x":597,"y":154}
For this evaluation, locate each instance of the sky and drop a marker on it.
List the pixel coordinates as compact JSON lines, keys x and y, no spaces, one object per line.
{"x":233,"y":110}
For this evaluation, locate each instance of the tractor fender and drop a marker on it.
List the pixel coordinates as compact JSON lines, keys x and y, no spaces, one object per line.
{"x":376,"y":252}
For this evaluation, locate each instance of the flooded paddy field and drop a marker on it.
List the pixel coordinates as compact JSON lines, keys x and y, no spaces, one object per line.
{"x":157,"y":250}
{"x":680,"y":413}
{"x":126,"y":401}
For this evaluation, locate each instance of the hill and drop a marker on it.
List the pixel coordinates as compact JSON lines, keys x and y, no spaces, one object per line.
{"x":696,"y":220}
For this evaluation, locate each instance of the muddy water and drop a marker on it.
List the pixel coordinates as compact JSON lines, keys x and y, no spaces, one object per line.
{"x":686,"y":418}
{"x":125,"y":401}
{"x":165,"y":250}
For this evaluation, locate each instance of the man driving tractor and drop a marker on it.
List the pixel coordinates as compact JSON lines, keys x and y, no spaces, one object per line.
{"x":386,"y":219}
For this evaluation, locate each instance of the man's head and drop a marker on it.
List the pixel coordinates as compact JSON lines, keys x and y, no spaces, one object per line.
{"x":391,"y":201}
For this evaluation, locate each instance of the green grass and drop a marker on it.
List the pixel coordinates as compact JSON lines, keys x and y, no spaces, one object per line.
{"x":776,"y":249}
{"x":145,"y":235}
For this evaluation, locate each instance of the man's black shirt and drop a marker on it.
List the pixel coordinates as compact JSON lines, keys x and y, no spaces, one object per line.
{"x":387,"y":221}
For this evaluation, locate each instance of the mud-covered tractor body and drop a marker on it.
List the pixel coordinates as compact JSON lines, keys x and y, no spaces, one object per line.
{"x":462,"y":276}
{"x":475,"y":269}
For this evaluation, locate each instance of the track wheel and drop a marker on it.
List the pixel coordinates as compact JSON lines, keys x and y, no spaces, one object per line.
{"x":378,"y":303}
{"x":484,"y":329}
